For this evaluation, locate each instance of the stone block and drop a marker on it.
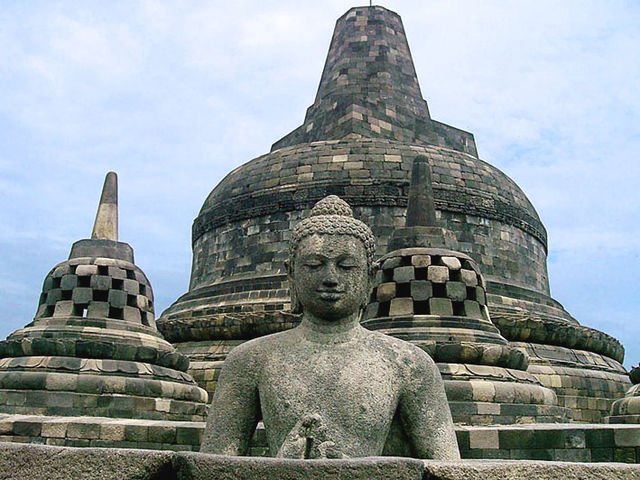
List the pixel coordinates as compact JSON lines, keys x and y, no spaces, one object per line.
{"x":401,"y":306}
{"x":404,"y":274}
{"x":132,"y":287}
{"x":391,"y":263}
{"x":421,"y":260}
{"x":136,"y":433}
{"x":117,"y":298}
{"x":53,"y":296}
{"x":69,"y":282}
{"x":421,"y":290}
{"x":82,"y":295}
{"x":142,"y":302}
{"x":386,"y":291}
{"x":62,"y":382}
{"x":100,"y":282}
{"x":481,"y":297}
{"x":574,"y":439}
{"x":61,"y":270}
{"x":602,"y":454}
{"x":98,"y":309}
{"x":86,"y":270}
{"x":35,"y":462}
{"x":456,"y":291}
{"x":54,"y":429}
{"x":132,"y":314}
{"x":437,"y":274}
{"x":194,"y":466}
{"x":83,"y":430}
{"x":472,"y":309}
{"x":627,"y":437}
{"x":485,"y":439}
{"x":63,"y":308}
{"x":27,"y":429}
{"x":452,"y":263}
{"x":624,"y":455}
{"x":469,"y":277}
{"x":440,"y":306}
{"x":189,"y":436}
{"x":116,"y":272}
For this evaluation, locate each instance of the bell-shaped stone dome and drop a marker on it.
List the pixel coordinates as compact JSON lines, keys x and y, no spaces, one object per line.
{"x":93,"y":349}
{"x":358,"y":140}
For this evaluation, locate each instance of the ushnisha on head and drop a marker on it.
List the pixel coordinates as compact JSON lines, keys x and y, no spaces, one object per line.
{"x":332,"y":218}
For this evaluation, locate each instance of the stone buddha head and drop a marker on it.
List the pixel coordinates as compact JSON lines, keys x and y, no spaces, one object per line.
{"x":330,"y":262}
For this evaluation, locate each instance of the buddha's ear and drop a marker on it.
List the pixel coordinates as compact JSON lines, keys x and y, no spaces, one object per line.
{"x":296,"y":307}
{"x":375,"y":266}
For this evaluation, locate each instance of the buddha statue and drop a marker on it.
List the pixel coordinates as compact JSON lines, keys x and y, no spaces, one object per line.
{"x":330,"y":388}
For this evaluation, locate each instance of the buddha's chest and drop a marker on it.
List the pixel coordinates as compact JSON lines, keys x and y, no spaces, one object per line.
{"x":339,"y":384}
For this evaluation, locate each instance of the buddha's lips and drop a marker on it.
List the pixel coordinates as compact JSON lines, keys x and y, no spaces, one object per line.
{"x":330,"y":294}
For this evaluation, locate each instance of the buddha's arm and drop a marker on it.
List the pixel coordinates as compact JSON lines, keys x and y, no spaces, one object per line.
{"x":425,"y":413}
{"x":235,"y":409}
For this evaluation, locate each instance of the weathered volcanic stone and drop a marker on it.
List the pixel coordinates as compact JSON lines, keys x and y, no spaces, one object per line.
{"x":35,"y":462}
{"x":358,"y":140}
{"x":93,"y":349}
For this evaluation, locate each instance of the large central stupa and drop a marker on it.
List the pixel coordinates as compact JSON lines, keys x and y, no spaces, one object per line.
{"x":358,"y":140}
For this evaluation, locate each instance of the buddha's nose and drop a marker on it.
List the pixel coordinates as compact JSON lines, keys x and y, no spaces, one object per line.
{"x":330,"y":279}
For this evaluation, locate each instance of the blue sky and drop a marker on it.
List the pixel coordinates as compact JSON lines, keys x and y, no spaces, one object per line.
{"x":174,"y":95}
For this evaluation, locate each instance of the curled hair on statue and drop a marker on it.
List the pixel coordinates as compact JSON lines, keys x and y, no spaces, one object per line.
{"x":333,"y":216}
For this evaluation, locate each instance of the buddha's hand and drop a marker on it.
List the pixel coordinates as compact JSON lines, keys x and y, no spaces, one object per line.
{"x":308,"y":439}
{"x":329,"y":450}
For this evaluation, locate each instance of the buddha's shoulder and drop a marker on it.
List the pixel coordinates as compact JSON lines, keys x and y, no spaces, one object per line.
{"x":258,"y":347}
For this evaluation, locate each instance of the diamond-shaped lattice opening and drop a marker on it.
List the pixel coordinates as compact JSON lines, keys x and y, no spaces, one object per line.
{"x":467,"y":265}
{"x":66,"y":294}
{"x":387,"y":275}
{"x":403,"y":290}
{"x":84,"y":281}
{"x":471,"y":293}
{"x":421,"y":308}
{"x":80,"y":309}
{"x":440,"y":290}
{"x":131,"y":301}
{"x":117,"y":284}
{"x":101,"y":295}
{"x":117,"y":313}
{"x":458,"y":309}
{"x":421,"y":273}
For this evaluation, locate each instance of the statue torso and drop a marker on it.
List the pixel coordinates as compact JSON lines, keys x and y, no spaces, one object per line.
{"x":352,"y":386}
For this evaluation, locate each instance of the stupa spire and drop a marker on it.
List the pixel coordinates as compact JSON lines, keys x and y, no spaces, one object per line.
{"x":421,"y":211}
{"x":105,"y":226}
{"x":369,"y":88}
{"x":421,"y":229}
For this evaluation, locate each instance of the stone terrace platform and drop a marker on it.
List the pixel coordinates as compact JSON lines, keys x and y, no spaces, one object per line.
{"x":31,"y":462}
{"x":550,"y":442}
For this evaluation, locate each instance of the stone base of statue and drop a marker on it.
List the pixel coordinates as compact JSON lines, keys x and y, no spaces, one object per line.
{"x":34,"y":462}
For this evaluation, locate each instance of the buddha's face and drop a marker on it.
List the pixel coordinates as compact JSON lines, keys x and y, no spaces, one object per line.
{"x":330,"y":276}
